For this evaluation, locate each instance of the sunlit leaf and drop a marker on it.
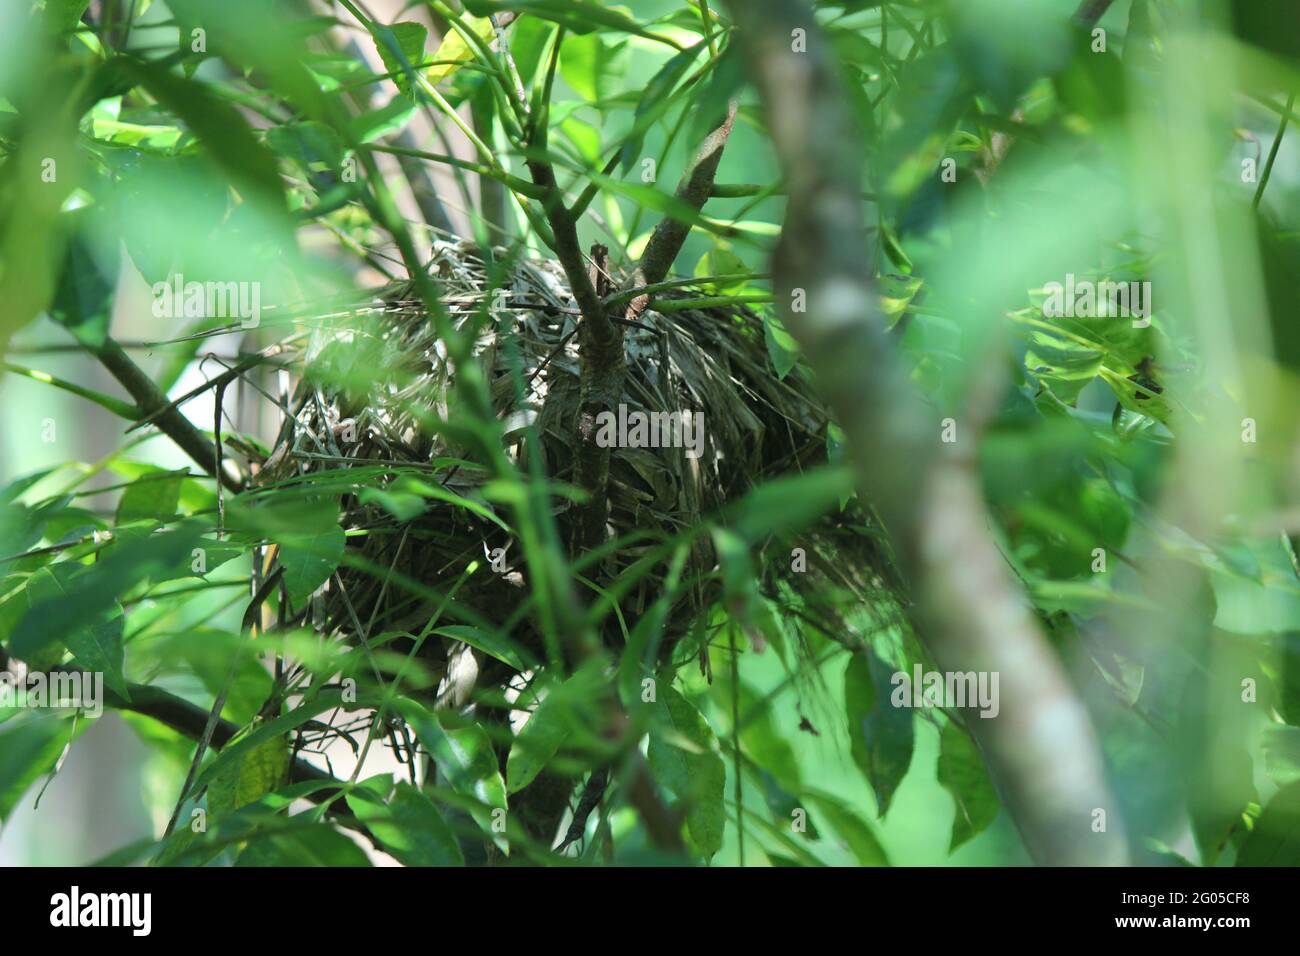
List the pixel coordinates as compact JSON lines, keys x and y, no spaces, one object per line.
{"x":1275,"y":838}
{"x":408,"y":825}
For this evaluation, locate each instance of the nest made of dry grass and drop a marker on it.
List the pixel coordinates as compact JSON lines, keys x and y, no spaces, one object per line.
{"x":384,"y":372}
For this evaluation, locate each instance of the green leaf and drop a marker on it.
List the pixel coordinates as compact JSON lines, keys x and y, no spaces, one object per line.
{"x":726,"y":79}
{"x":789,"y":504}
{"x":1062,"y":364}
{"x":683,"y":758}
{"x":29,"y":748}
{"x":783,"y":804}
{"x":782,"y":349}
{"x":492,"y":644}
{"x":654,"y":101}
{"x":456,"y":49}
{"x":152,"y":497}
{"x":401,"y":47}
{"x":537,"y":742}
{"x":1281,"y":747}
{"x":13,"y":605}
{"x":257,"y":771}
{"x":896,"y":293}
{"x":128,"y":562}
{"x":740,"y":592}
{"x":401,"y":505}
{"x":1275,"y":838}
{"x":587,"y":63}
{"x":35,"y":226}
{"x":770,"y":751}
{"x":580,"y":16}
{"x":20,"y":527}
{"x":65,"y":14}
{"x":217,"y":124}
{"x":438,"y":493}
{"x":1215,"y":751}
{"x":672,"y":207}
{"x":307,"y":531}
{"x":312,"y":145}
{"x":84,"y":296}
{"x":761,"y":739}
{"x":962,"y":773}
{"x":720,"y":261}
{"x":880,"y":733}
{"x":318,"y":845}
{"x":309,"y":559}
{"x":636,"y":662}
{"x":463,"y":754}
{"x":67,"y":525}
{"x":852,"y":830}
{"x":97,"y":642}
{"x":16,"y":488}
{"x":390,"y":118}
{"x":1248,"y":608}
{"x":409,"y":826}
{"x":219,"y":659}
{"x":584,"y":137}
{"x":260,"y":733}
{"x":933,"y":96}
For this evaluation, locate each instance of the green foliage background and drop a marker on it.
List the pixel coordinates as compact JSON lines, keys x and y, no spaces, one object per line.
{"x":227,"y":162}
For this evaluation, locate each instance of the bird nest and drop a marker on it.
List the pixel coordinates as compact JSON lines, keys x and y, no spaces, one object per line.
{"x":376,"y":401}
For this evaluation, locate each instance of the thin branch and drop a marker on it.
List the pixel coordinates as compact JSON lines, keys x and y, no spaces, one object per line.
{"x":190,"y":720}
{"x":155,"y":406}
{"x":600,"y":348}
{"x":1272,"y":153}
{"x":568,"y":249}
{"x":1090,"y":11}
{"x":246,"y":362}
{"x":601,"y":339}
{"x":115,"y":405}
{"x":694,"y":189}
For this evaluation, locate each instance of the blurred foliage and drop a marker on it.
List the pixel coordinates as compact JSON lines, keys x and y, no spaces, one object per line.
{"x":1142,"y":475}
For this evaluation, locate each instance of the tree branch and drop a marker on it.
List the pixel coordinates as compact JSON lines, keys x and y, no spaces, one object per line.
{"x":190,"y":720}
{"x":600,"y":339}
{"x":602,"y":362}
{"x":695,"y":188}
{"x":971,"y":614}
{"x":1090,"y":11}
{"x":153,"y":403}
{"x":567,"y":247}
